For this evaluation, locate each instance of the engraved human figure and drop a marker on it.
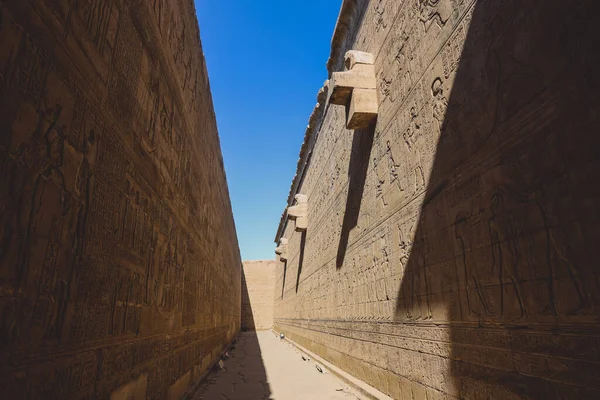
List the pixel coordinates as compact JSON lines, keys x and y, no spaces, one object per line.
{"x":41,"y":160}
{"x":83,"y":189}
{"x":433,"y":11}
{"x":417,"y":302}
{"x":411,"y":137}
{"x":405,"y":245}
{"x":528,"y":189}
{"x":37,"y":184}
{"x":505,"y":260}
{"x":393,"y":167}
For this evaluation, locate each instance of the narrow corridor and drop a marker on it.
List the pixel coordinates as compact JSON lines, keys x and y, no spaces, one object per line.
{"x":263,"y":367}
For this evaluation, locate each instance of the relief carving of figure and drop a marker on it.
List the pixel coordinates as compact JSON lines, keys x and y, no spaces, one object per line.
{"x":393,"y":167}
{"x":31,"y":234}
{"x":405,"y":245}
{"x":477,"y":282}
{"x":412,"y":132}
{"x":510,"y":75}
{"x":433,"y":11}
{"x":380,"y":11}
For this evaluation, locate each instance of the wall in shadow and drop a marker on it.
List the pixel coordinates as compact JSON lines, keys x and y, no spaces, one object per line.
{"x":119,"y":261}
{"x":362,"y":143}
{"x":506,"y":245}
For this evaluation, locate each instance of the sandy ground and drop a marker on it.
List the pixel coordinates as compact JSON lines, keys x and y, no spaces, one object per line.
{"x":263,"y":367}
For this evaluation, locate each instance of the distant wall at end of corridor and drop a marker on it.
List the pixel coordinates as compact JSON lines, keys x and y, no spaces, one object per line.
{"x":258,"y":283}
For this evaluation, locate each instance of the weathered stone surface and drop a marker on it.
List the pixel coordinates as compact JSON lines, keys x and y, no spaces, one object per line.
{"x":362,"y":58}
{"x":263,"y":367}
{"x":363,"y":108}
{"x":258,"y":285}
{"x":119,"y":265}
{"x":452,"y":251}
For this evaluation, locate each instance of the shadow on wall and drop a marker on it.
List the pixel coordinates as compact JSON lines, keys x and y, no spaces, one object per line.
{"x":300,"y":260}
{"x":506,"y":247}
{"x":362,"y":142}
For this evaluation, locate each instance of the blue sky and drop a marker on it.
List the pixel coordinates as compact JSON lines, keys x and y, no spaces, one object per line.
{"x":266,"y":62}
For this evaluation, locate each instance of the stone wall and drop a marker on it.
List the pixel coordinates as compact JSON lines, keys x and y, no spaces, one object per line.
{"x":258,"y":283}
{"x":452,"y":248}
{"x":119,"y":264}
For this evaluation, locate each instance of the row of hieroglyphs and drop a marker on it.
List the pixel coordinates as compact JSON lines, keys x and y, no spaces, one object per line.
{"x":402,"y":160}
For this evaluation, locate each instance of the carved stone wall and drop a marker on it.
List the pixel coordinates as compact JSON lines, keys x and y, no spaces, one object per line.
{"x":452,"y":249}
{"x":119,"y":265}
{"x":258,"y":283}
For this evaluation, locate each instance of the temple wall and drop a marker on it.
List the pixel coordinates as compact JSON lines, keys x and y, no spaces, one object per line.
{"x":258,"y":282}
{"x":452,"y":248}
{"x":120,"y":272}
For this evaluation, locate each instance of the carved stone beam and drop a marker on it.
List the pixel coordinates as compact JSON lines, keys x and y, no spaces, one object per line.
{"x":281,"y":251}
{"x":356,"y":88}
{"x":299,"y":212}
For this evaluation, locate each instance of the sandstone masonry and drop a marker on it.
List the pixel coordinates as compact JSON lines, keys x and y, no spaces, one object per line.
{"x":120,"y":271}
{"x":451,"y":247}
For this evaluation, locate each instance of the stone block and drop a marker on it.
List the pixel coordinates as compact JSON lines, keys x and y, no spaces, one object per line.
{"x":362,"y":111}
{"x":281,"y":250}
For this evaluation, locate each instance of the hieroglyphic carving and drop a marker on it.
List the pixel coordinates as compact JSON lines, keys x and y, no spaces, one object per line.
{"x":104,"y":244}
{"x":124,"y":74}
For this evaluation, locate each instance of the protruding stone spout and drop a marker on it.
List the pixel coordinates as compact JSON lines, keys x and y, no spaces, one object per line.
{"x":299,"y":212}
{"x":356,"y":88}
{"x":281,"y":251}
